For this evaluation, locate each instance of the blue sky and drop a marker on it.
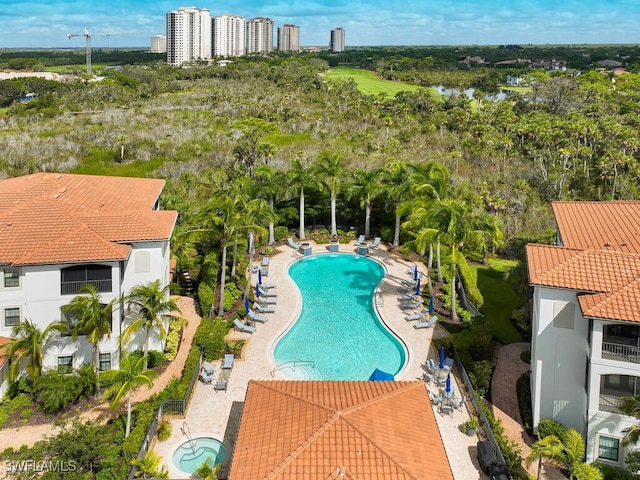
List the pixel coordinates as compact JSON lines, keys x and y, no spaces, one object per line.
{"x":46,"y":23}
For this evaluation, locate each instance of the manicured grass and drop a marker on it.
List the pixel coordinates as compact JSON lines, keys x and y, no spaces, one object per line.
{"x":368,"y":83}
{"x":499,"y":298}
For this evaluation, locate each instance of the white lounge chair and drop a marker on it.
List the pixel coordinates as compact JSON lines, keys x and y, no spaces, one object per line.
{"x":266,"y":293}
{"x":458,"y":404}
{"x":293,"y":244}
{"x":266,"y":301}
{"x":227,"y":360}
{"x":208,"y":368}
{"x":410,"y":283}
{"x":256,"y":316}
{"x":410,"y":305}
{"x":417,"y":316}
{"x":360,"y":240}
{"x":263,"y":309}
{"x":220,"y":385}
{"x":431,"y":366}
{"x":267,"y":286}
{"x":376,"y":242}
{"x":407,"y":297}
{"x":242,"y":327}
{"x":426,"y":324}
{"x":206,"y":378}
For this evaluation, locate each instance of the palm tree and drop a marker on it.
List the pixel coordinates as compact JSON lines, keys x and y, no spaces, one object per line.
{"x":331,"y":170}
{"x":631,"y":407}
{"x":270,"y":186}
{"x":29,"y":342}
{"x":93,"y":320}
{"x":301,"y":177}
{"x":549,"y":447}
{"x":366,"y":187}
{"x":152,"y":304}
{"x":396,"y":185}
{"x":122,"y":382}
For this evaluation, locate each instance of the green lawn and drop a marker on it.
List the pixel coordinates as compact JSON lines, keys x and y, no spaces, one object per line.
{"x":368,"y":83}
{"x":499,"y":298}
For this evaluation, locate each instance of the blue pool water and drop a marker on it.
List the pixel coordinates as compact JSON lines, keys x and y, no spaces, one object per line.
{"x":193,"y":453}
{"x":338,"y":329}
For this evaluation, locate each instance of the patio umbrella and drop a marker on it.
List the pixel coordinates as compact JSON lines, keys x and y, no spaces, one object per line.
{"x":431,"y":305}
{"x":259,"y":276}
{"x":381,"y":376}
{"x":448,"y":384}
{"x":415,"y":272}
{"x":257,"y":291}
{"x":246,"y":303}
{"x":441,"y":365}
{"x":418,"y":288}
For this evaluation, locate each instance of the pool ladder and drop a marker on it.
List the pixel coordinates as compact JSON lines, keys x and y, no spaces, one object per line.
{"x":187,"y":433}
{"x":291,"y":364}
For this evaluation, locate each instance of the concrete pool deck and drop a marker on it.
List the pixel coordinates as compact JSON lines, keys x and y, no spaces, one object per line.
{"x":217,"y":414}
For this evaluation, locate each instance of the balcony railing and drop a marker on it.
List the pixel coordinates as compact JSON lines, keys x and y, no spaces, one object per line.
{"x":73,"y":288}
{"x":609,"y":403}
{"x":620,"y":352}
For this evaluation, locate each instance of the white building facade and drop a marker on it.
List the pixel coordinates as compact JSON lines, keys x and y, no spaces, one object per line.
{"x":259,"y":35}
{"x":586,"y":324}
{"x":159,"y":44}
{"x":60,"y":232}
{"x":336,"y":42}
{"x":229,"y":36}
{"x":188,"y":35}
{"x":289,"y":38}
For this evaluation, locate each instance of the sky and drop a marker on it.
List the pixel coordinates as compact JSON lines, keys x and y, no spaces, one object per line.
{"x":132,"y":23}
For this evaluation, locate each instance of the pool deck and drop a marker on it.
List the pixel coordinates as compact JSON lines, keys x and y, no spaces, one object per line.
{"x":217,"y":414}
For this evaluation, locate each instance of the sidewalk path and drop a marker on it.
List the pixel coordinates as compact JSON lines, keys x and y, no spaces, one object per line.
{"x":28,"y":435}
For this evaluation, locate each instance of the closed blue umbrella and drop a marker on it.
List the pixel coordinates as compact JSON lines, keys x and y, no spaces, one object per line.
{"x":431,"y":305}
{"x":418,"y":287}
{"x":246,"y":303}
{"x":448,"y":384}
{"x":441,"y":365}
{"x":259,"y":276}
{"x":257,"y":291}
{"x":415,"y":272}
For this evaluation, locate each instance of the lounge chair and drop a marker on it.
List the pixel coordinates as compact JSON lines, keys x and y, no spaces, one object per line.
{"x":208,"y":368}
{"x":376,"y":242}
{"x":444,"y":408}
{"x":417,"y":316}
{"x":206,"y":377}
{"x":448,"y":363}
{"x":410,"y":305}
{"x":266,"y":293}
{"x":220,"y":385}
{"x":427,"y":377}
{"x":293,"y":244}
{"x":426,"y":324}
{"x":360,"y":240}
{"x":266,"y":301}
{"x":267,"y":286}
{"x":435,"y":399}
{"x":227,"y":360}
{"x":263,"y":309}
{"x":407,"y":297}
{"x":431,"y":366}
{"x":242,"y":327}
{"x":256,"y":317}
{"x":410,"y":283}
{"x":458,"y":404}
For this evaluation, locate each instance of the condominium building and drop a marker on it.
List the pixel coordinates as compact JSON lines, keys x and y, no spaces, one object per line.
{"x":229,"y":36}
{"x":336,"y":44}
{"x":289,"y":38}
{"x":188,"y":35}
{"x":585,"y":355}
{"x":159,"y":44}
{"x":259,"y":35}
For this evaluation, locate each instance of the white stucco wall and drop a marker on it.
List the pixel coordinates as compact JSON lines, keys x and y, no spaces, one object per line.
{"x":559,"y":361}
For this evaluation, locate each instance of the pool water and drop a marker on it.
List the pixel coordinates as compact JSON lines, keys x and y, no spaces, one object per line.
{"x":338,"y":335}
{"x":191,"y":454}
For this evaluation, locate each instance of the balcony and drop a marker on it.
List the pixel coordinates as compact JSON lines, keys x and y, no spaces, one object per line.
{"x":620,"y":352}
{"x":610,"y":403}
{"x":73,"y":288}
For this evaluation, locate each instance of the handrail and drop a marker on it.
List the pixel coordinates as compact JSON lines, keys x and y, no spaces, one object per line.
{"x":294,"y":363}
{"x":621,"y":352}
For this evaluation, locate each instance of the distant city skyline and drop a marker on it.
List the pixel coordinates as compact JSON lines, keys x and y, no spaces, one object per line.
{"x":46,"y":23}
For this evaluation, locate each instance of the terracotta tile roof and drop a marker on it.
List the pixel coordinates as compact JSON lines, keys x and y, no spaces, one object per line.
{"x":321,"y":429}
{"x":61,"y":218}
{"x":611,"y":225}
{"x":3,"y":353}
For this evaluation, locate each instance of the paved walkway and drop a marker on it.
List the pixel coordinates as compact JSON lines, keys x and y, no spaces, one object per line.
{"x":28,"y":435}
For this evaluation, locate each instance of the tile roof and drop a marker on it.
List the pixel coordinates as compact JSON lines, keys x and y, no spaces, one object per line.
{"x":611,"y":225}
{"x":600,"y":258}
{"x":338,"y":429}
{"x":63,"y":218}
{"x":3,"y":354}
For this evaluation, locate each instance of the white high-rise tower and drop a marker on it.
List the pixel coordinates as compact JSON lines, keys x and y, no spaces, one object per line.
{"x":188,"y":35}
{"x":259,"y":35}
{"x":289,"y":38}
{"x":337,"y":40}
{"x":229,"y":36}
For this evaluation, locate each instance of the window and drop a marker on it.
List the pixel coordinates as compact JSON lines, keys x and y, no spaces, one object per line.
{"x":11,"y":277}
{"x":11,"y":317}
{"x":65,"y":364}
{"x":105,"y":361}
{"x":608,"y":448}
{"x":74,"y":278}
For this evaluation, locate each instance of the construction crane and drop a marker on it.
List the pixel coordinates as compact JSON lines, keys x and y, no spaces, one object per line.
{"x":87,"y":35}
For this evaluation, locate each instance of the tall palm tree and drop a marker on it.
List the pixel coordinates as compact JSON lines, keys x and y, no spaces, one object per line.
{"x":331,"y":170}
{"x":631,"y":407}
{"x":93,"y":320}
{"x":300,"y":177}
{"x":550,"y":448}
{"x":396,"y":186}
{"x":29,"y":342}
{"x":151,"y":304}
{"x":271,"y":186}
{"x":366,"y":187}
{"x":122,"y":382}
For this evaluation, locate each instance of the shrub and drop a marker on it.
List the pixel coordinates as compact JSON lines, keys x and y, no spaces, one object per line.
{"x":164,"y":430}
{"x":551,"y":427}
{"x":155,"y":359}
{"x":510,"y":449}
{"x":171,"y":347}
{"x":3,"y":416}
{"x":55,"y":391}
{"x":234,"y":346}
{"x":206,"y":297}
{"x":480,"y":376}
{"x":281,"y":233}
{"x":611,"y":472}
{"x":231,"y":295}
{"x":209,"y":337}
{"x":21,"y":385}
{"x":523,"y":388}
{"x":19,"y":402}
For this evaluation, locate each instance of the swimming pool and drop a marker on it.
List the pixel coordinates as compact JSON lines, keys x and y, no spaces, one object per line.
{"x":194,"y":452}
{"x":338,"y":335}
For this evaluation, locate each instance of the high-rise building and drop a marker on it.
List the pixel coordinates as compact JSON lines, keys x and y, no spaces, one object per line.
{"x":159,"y":44}
{"x":188,"y":35}
{"x":259,"y":35}
{"x":337,"y":40}
{"x":289,"y":38}
{"x":229,"y":36}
